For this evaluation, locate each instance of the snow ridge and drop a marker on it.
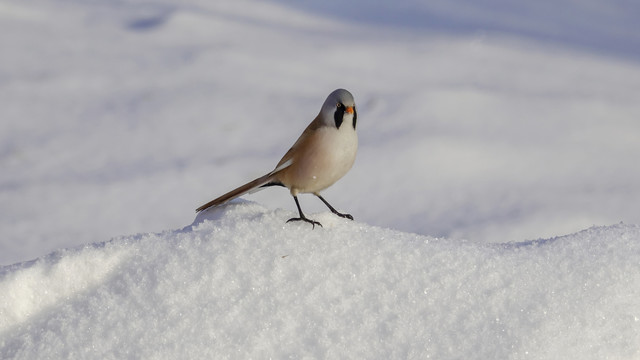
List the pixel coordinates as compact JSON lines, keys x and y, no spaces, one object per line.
{"x":240,"y":283}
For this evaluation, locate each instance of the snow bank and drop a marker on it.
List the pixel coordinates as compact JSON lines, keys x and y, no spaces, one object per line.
{"x":240,"y":283}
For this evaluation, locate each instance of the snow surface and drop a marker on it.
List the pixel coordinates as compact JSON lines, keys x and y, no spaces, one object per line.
{"x":482,"y":126}
{"x":239,"y":283}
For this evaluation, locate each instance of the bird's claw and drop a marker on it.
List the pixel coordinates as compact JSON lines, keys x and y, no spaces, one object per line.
{"x":312,"y":222}
{"x":347,"y":216}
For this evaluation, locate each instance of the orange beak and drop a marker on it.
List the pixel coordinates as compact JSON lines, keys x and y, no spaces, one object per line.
{"x":349,"y":109}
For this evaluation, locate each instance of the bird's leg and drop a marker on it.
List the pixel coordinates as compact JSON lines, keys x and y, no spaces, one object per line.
{"x":302,"y":217}
{"x":348,"y":216}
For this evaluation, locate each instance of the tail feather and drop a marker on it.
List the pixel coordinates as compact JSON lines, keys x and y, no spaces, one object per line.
{"x":244,"y":189}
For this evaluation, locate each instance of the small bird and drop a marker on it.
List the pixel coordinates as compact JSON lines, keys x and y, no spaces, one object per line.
{"x":322,"y":155}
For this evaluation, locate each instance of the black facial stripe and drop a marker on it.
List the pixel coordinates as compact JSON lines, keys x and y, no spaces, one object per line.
{"x":338,"y":115}
{"x":355,"y":117}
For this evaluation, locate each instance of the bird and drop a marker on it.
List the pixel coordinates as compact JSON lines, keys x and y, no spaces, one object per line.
{"x":324,"y":153}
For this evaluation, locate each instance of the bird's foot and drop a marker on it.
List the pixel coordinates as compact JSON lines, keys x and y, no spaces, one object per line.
{"x":312,"y":222}
{"x":347,"y":216}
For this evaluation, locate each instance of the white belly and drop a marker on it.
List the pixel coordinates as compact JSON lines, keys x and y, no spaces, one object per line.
{"x":329,"y":156}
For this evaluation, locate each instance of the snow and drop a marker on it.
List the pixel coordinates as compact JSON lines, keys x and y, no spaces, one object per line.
{"x":240,"y":283}
{"x":487,"y":131}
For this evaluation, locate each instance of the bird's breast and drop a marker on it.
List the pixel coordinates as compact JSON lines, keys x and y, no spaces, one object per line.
{"x":324,"y":157}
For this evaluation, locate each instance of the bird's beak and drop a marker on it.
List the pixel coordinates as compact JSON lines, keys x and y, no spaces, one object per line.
{"x":349,"y":109}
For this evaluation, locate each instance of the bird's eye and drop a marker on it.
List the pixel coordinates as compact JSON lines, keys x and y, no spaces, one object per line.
{"x":338,"y":105}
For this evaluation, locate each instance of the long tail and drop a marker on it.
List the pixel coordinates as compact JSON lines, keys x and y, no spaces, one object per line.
{"x":252,"y":186}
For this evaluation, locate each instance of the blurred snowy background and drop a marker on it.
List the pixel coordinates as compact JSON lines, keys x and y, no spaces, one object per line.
{"x":487,"y":128}
{"x":487,"y":120}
